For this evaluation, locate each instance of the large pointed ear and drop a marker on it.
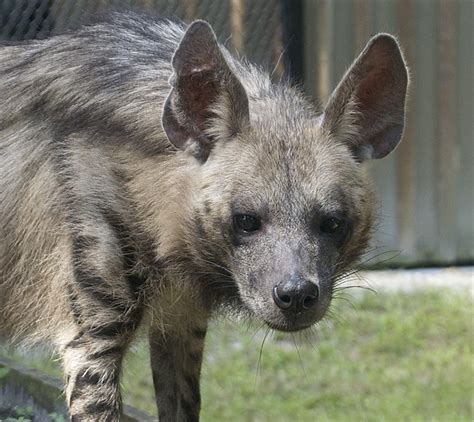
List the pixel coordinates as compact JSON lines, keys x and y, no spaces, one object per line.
{"x":367,"y":108}
{"x":207,"y":102}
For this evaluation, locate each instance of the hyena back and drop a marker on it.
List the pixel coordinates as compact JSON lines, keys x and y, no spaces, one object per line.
{"x":149,"y":178}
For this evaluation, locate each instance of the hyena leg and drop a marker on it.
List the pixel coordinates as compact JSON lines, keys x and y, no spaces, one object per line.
{"x":105,"y":302}
{"x":92,"y":368}
{"x":176,"y":365}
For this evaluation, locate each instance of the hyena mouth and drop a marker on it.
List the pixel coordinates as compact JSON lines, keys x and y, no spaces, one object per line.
{"x":288,"y":328}
{"x":287,"y":321}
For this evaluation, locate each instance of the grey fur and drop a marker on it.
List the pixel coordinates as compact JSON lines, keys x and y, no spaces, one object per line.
{"x":108,"y":224}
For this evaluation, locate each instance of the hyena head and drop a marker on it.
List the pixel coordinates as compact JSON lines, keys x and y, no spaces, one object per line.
{"x":282,"y":201}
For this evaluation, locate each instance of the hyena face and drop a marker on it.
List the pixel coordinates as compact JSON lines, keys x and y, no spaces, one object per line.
{"x":282,"y":199}
{"x":292,"y":209}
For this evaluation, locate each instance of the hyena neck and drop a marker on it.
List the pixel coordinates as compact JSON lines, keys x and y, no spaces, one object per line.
{"x":161,"y":191}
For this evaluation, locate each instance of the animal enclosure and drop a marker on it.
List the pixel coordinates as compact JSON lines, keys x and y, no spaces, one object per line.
{"x":426,"y":186}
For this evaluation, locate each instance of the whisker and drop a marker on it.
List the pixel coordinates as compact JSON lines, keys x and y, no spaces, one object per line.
{"x":370,"y":289}
{"x":259,"y":363}
{"x":299,"y":356}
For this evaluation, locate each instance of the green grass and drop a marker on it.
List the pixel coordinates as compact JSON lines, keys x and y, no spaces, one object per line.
{"x":394,"y":357}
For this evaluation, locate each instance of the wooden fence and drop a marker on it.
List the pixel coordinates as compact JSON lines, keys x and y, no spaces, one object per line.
{"x":426,"y":186}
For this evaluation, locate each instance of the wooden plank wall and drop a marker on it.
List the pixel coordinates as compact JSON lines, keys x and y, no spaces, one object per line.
{"x":426,"y":187}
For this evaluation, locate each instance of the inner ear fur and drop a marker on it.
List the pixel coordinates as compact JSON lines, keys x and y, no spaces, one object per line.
{"x":367,"y":108}
{"x":206,"y":101}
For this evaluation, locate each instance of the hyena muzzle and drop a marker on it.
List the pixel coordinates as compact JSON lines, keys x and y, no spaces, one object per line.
{"x":150,"y":179}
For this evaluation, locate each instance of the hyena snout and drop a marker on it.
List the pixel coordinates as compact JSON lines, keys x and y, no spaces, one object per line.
{"x":296,"y":294}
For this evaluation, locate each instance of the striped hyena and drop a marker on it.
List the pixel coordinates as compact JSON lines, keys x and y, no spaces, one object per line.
{"x":150,"y":179}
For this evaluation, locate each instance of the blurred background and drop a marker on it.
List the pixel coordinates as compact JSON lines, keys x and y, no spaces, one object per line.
{"x":426,"y":186}
{"x":403,"y":354}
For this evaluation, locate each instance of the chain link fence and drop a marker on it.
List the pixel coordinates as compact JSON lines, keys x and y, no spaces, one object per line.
{"x":251,"y":27}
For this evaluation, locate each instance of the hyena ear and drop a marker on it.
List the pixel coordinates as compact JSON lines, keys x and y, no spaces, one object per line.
{"x":207,"y":102}
{"x":367,"y":108}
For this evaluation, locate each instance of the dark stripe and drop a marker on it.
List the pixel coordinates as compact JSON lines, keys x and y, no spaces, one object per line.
{"x":75,"y":394}
{"x":100,"y":407}
{"x":110,"y":330}
{"x":195,"y":357}
{"x":198,"y":227}
{"x":129,"y":253}
{"x":87,"y":378}
{"x":74,"y":305}
{"x":119,"y":304}
{"x":136,"y":283}
{"x":95,"y":285}
{"x":117,"y":327}
{"x":83,"y":243}
{"x":199,"y":333}
{"x":91,"y":284}
{"x":77,"y":341}
{"x":207,"y":207}
{"x":106,"y":352}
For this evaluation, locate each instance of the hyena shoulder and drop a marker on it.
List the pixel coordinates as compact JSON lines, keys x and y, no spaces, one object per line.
{"x":80,"y":112}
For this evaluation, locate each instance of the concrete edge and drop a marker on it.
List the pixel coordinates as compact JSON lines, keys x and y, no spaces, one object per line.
{"x":47,"y":391}
{"x":448,"y":278}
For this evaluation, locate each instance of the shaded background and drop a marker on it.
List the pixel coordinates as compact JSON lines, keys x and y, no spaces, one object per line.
{"x":426,"y":186}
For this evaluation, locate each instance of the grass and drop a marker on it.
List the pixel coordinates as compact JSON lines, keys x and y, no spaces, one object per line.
{"x":392,"y":357}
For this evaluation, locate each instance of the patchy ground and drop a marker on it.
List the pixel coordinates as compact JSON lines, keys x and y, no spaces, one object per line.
{"x":388,"y":357}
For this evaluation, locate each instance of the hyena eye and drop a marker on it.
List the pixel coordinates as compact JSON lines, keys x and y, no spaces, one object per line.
{"x":247,"y":223}
{"x":331,"y":225}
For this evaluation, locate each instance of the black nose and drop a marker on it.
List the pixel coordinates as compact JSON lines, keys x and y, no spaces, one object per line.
{"x":296,"y":297}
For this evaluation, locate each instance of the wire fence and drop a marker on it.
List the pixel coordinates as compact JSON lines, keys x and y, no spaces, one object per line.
{"x":250,"y":27}
{"x":426,"y":186}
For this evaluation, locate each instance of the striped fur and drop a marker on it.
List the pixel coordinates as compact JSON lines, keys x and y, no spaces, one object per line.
{"x":126,"y":150}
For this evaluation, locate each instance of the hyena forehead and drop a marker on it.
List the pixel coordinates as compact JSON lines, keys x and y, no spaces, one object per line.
{"x":275,"y":168}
